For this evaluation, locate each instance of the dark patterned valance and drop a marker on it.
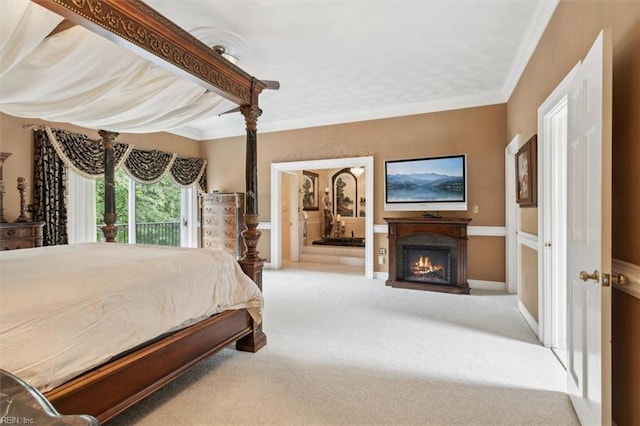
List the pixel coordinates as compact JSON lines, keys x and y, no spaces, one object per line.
{"x":185,"y":171}
{"x":148,"y":166}
{"x":85,"y":156}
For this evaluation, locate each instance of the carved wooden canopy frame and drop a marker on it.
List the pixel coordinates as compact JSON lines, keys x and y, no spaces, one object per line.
{"x":137,"y":27}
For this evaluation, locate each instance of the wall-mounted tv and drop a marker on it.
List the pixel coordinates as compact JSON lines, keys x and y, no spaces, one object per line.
{"x":428,"y":184}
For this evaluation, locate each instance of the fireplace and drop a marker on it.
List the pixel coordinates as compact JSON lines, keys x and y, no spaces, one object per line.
{"x":426,"y":264}
{"x":428,"y":254}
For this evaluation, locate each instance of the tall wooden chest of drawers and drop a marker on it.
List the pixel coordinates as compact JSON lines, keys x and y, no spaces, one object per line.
{"x":20,"y":235}
{"x":223,"y":222}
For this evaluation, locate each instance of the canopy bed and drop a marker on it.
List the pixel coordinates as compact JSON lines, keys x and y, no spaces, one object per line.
{"x":124,"y":379}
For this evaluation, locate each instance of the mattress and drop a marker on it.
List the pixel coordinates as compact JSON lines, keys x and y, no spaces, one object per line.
{"x":67,"y":309}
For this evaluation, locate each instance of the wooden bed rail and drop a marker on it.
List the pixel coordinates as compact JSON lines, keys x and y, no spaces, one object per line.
{"x":108,"y":390}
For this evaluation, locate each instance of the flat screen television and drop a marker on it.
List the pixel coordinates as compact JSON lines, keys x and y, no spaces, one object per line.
{"x":429,"y":184}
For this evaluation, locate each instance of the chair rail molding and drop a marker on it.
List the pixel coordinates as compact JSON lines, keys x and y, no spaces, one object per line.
{"x":632,"y":272}
{"x":528,"y":240}
{"x":475,"y":231}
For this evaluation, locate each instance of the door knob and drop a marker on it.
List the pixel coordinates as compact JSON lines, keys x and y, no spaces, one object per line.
{"x":585,"y":276}
{"x":621,"y":279}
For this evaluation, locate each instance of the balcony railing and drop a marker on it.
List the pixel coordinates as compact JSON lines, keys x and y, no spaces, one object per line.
{"x":157,"y":233}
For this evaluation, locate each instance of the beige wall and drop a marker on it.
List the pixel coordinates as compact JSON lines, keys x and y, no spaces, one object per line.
{"x":568,"y":37}
{"x":478,"y":132}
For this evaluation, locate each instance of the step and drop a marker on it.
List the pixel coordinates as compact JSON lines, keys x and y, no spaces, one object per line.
{"x":333,"y":250}
{"x":336,"y":255}
{"x":333,"y":259}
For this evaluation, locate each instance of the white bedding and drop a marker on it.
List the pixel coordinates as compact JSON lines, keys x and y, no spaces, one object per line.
{"x":66,"y":309}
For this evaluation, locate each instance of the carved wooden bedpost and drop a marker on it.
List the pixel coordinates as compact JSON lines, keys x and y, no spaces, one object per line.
{"x":109,"y":229}
{"x":251,"y":264}
{"x":251,"y":234}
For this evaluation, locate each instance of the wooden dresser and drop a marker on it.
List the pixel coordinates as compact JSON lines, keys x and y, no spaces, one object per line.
{"x":223,"y":221}
{"x":20,"y":235}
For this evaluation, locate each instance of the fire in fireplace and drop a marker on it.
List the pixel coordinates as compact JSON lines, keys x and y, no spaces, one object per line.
{"x":426,"y":264}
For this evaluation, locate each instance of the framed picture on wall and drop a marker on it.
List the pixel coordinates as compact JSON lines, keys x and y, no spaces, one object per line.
{"x":310,"y":190}
{"x":526,"y":173}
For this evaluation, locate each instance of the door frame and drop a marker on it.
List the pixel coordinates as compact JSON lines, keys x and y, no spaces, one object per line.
{"x":551,"y":241}
{"x":512,"y":263}
{"x":276,"y":205}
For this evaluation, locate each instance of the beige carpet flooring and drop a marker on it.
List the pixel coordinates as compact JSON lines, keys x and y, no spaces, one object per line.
{"x":344,"y":350}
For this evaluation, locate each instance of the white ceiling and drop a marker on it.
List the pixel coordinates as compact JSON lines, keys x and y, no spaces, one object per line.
{"x":344,"y":61}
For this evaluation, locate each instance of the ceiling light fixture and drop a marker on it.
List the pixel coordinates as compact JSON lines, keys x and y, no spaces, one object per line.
{"x":357,"y":171}
{"x":229,"y":57}
{"x":226,"y":43}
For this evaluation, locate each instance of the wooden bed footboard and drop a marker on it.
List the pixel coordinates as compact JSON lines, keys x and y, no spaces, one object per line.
{"x":108,"y":390}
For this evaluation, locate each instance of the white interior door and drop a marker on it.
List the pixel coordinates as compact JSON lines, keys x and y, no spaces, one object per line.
{"x":294,"y":218}
{"x":285,"y":224}
{"x":589,"y":236}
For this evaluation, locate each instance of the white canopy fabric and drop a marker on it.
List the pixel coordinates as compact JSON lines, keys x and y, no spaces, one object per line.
{"x":81,"y":78}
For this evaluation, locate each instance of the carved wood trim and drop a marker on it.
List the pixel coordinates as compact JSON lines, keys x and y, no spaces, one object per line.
{"x":133,"y":24}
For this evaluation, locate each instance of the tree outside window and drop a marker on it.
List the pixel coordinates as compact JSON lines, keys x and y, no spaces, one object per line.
{"x":157,"y":210}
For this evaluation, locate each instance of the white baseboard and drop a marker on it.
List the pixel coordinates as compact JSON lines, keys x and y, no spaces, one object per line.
{"x":529,"y":318}
{"x":380,"y":275}
{"x":487,"y":285}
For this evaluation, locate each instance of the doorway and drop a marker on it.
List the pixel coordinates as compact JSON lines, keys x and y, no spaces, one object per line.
{"x":554,"y":235}
{"x":552,"y":219}
{"x":278,"y":170}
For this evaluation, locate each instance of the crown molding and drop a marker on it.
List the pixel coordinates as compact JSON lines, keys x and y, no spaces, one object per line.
{"x":230,"y":128}
{"x":537,"y":25}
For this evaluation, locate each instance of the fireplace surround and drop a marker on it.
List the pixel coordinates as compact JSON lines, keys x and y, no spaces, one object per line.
{"x":428,"y":254}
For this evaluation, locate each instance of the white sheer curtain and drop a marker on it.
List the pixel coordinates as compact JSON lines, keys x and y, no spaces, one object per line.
{"x":24,"y":26}
{"x":81,"y":213}
{"x":189,"y":213}
{"x":79,"y":77}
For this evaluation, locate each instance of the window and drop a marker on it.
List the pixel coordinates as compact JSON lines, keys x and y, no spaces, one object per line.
{"x":160,"y":213}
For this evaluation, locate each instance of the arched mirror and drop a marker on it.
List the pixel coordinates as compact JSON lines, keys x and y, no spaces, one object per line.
{"x":345,"y":193}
